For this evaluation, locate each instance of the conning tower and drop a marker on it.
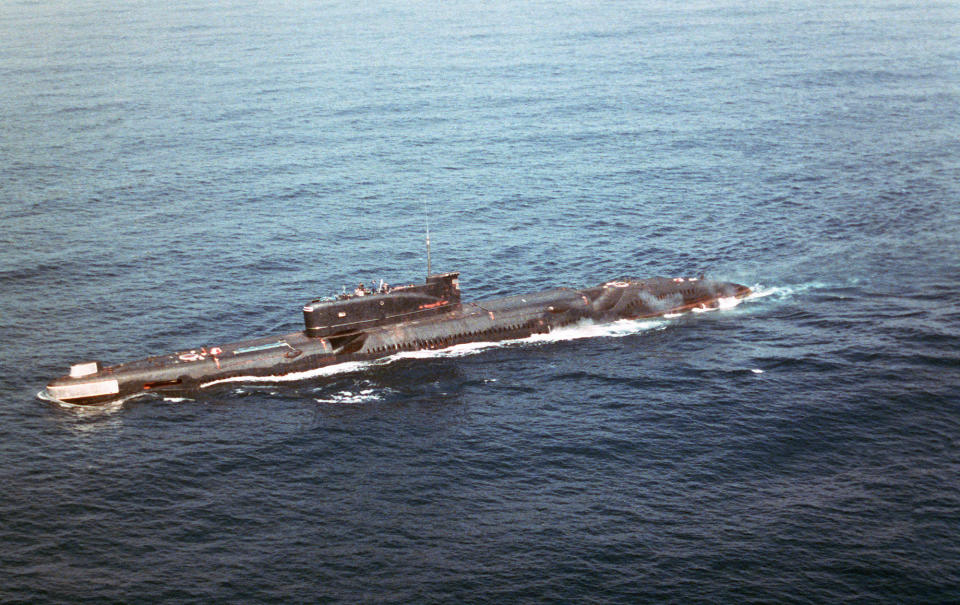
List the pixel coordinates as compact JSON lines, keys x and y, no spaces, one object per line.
{"x":440,"y":293}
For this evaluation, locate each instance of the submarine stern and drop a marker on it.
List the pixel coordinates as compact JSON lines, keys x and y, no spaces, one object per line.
{"x":87,"y":382}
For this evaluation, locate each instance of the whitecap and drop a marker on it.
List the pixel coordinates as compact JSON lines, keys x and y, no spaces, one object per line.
{"x":350,"y":397}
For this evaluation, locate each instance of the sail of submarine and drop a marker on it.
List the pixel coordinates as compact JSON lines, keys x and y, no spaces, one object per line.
{"x":375,"y":325}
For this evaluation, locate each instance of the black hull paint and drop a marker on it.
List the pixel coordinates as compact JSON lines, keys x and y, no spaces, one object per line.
{"x":436,"y":328}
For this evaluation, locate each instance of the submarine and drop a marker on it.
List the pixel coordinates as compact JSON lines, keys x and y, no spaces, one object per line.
{"x":374,"y":323}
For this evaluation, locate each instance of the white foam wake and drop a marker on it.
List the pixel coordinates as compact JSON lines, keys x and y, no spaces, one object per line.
{"x":724,"y":303}
{"x":761,"y":291}
{"x":588,"y":329}
{"x":340,"y":368}
{"x":584,"y":329}
{"x":99,"y":408}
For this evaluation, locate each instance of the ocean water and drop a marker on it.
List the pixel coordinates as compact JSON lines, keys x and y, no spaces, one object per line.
{"x":176,"y":175}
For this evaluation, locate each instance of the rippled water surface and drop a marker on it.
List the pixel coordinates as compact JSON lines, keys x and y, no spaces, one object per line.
{"x":179,"y":175}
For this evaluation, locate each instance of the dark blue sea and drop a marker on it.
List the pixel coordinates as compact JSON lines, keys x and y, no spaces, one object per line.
{"x":180,"y":174}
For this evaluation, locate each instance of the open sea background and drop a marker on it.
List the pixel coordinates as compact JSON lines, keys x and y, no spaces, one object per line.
{"x":182,"y":174}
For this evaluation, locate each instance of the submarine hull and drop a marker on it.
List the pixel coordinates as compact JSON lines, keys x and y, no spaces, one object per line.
{"x":438,"y":326}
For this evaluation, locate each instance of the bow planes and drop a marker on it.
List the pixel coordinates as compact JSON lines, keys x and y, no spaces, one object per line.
{"x":372,"y":324}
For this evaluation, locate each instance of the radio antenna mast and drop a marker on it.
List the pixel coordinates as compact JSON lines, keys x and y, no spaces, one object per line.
{"x":427,"y":218}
